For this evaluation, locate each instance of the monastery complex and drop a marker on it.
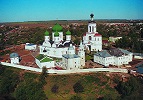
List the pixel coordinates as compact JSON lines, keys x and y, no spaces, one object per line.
{"x":56,"y":47}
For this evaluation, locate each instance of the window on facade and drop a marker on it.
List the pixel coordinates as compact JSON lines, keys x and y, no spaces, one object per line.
{"x":44,"y":50}
{"x":89,"y":37}
{"x":92,"y":28}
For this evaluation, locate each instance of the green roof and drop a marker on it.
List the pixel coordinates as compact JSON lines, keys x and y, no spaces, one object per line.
{"x":46,"y":59}
{"x":46,"y":33}
{"x":68,"y":33}
{"x":40,"y":56}
{"x":57,"y":27}
{"x":56,"y":34}
{"x":43,"y":58}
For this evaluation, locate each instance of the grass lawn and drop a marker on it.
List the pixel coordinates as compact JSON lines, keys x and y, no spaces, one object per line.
{"x":95,"y":85}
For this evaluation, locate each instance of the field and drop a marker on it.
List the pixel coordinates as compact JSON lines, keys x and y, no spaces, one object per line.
{"x":94,"y":86}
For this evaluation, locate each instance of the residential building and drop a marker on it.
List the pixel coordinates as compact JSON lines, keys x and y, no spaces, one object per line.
{"x":114,"y":56}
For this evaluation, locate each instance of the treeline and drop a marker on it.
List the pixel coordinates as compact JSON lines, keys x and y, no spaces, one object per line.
{"x":131,"y":89}
{"x":131,"y":42}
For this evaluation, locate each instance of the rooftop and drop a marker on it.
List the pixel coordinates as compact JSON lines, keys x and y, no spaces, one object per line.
{"x":46,"y":59}
{"x":70,"y":56}
{"x":103,"y":53}
{"x":43,"y":58}
{"x":14,"y":55}
{"x":113,"y":52}
{"x":46,"y":33}
{"x":57,"y":27}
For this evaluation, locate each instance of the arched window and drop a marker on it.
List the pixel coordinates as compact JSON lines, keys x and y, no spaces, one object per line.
{"x":90,"y":28}
{"x":44,"y":50}
{"x":89,"y":37}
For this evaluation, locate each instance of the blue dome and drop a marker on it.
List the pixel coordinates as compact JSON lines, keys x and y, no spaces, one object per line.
{"x":14,"y":55}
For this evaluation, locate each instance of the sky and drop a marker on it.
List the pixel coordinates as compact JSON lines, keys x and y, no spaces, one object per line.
{"x":44,"y":10}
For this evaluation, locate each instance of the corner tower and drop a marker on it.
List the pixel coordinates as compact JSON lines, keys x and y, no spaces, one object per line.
{"x":81,"y":53}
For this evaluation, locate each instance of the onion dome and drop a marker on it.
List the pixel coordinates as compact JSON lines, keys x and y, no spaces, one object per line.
{"x":91,"y":15}
{"x":46,"y":33}
{"x":68,"y":33}
{"x":57,"y":27}
{"x":56,"y":34}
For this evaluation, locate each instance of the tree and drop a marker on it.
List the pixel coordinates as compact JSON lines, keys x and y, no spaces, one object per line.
{"x":55,"y":88}
{"x":78,"y":87}
{"x":2,"y":41}
{"x":29,"y":91}
{"x":8,"y":82}
{"x":127,"y":88}
{"x":43,"y":76}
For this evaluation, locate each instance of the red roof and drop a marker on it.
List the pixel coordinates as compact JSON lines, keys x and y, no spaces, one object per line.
{"x":105,"y":41}
{"x":97,"y":34}
{"x":84,"y":34}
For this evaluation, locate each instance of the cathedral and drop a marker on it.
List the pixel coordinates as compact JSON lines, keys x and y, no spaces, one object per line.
{"x":64,"y":49}
{"x":92,"y":39}
{"x":58,"y":46}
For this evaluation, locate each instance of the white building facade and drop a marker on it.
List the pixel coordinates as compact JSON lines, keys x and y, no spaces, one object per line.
{"x":57,"y":47}
{"x":73,"y":61}
{"x":114,"y":56}
{"x":14,"y":58}
{"x":92,"y":39}
{"x":44,"y":61}
{"x":29,"y":46}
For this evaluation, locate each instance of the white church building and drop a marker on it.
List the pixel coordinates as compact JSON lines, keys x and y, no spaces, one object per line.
{"x":114,"y":56}
{"x":72,"y":60}
{"x":14,"y":58}
{"x":57,"y":47}
{"x":92,"y":39}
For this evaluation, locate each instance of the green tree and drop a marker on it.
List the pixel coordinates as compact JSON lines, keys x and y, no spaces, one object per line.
{"x":55,"y":88}
{"x":78,"y":87}
{"x":29,"y":91}
{"x":43,"y":76}
{"x":127,"y":88}
{"x":8,"y":81}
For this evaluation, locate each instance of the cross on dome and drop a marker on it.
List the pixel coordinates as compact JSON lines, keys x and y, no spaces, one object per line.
{"x":91,"y":16}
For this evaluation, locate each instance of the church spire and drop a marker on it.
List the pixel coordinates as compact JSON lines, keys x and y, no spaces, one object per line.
{"x":91,"y":16}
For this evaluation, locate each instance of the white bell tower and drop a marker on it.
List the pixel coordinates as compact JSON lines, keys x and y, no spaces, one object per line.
{"x":91,"y":25}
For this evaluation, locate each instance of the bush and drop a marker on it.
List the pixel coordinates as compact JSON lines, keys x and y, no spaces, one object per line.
{"x":55,"y":89}
{"x":78,"y":87}
{"x":127,"y":88}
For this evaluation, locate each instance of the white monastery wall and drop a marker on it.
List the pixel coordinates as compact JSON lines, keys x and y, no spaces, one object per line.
{"x":51,"y":71}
